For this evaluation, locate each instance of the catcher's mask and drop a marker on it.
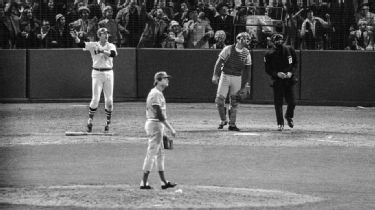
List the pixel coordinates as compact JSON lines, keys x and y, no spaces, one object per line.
{"x":276,"y":38}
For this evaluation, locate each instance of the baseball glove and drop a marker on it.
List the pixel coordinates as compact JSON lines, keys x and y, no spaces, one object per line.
{"x":244,"y":93}
{"x":167,"y":142}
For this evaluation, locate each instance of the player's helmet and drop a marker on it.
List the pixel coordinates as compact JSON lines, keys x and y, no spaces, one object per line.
{"x":101,"y":30}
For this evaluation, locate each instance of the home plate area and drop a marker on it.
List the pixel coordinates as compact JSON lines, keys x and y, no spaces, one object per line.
{"x":126,"y":196}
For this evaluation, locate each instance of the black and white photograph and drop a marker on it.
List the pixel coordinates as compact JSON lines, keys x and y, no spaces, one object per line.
{"x":187,"y":104}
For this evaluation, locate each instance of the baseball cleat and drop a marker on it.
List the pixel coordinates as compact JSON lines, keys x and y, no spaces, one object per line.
{"x":145,"y":187}
{"x":168,"y":185}
{"x":106,"y":128}
{"x":233,"y":128}
{"x":290,"y":122}
{"x":222,"y":124}
{"x":89,"y":127}
{"x":280,"y":127}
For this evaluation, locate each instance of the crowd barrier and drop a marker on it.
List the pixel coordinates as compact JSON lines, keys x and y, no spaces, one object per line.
{"x":326,"y":77}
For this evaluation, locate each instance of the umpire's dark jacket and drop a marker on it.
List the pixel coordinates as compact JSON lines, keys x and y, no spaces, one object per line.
{"x":281,"y":59}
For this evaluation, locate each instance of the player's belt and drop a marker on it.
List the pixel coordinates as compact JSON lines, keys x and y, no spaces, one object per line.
{"x":102,"y":69}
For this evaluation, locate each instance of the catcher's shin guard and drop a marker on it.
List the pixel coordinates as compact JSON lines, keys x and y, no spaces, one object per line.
{"x":220,"y":104}
{"x":232,"y":112}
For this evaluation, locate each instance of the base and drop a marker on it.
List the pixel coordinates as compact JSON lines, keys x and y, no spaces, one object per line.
{"x":84,"y":133}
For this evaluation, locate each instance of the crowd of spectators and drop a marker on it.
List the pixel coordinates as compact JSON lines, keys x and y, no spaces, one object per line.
{"x":184,"y":23}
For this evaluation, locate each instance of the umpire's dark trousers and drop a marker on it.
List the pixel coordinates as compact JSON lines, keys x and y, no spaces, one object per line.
{"x":283,"y":89}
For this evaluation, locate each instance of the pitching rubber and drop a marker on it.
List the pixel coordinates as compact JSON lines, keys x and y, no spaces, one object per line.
{"x":82,"y":133}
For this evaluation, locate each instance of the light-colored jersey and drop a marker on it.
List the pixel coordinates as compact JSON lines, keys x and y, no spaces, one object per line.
{"x":99,"y":60}
{"x":155,"y":97}
{"x":224,"y":54}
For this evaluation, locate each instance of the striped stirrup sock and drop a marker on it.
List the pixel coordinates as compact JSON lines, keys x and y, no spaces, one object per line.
{"x":109,"y":115}
{"x":92,"y":112}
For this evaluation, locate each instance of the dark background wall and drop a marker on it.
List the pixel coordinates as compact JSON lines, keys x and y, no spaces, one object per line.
{"x":326,"y":77}
{"x":13,"y":74}
{"x":191,"y":71}
{"x":338,"y":76}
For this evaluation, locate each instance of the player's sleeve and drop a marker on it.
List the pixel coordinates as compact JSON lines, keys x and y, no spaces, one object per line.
{"x":156,"y":100}
{"x":113,"y":51}
{"x":89,"y":46}
{"x":224,"y":54}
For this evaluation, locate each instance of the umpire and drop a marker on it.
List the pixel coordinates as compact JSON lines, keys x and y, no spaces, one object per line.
{"x":281,"y":63}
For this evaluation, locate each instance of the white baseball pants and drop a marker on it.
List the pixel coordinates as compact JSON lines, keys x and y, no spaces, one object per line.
{"x":155,"y":149}
{"x":102,"y":81}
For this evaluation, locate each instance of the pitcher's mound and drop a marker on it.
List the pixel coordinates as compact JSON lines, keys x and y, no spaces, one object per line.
{"x":125,"y":196}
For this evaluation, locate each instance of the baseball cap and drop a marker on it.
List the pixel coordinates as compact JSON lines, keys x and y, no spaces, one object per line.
{"x":84,"y":8}
{"x":160,"y":75}
{"x":174,"y":23}
{"x":58,"y":16}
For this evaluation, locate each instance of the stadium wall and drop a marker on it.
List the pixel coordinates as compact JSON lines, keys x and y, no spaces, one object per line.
{"x":326,"y":77}
{"x":13,"y":81}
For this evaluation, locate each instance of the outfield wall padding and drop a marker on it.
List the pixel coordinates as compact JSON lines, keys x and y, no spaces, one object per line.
{"x":338,"y":76}
{"x":66,"y":74}
{"x":13,"y":74}
{"x":191,"y":71}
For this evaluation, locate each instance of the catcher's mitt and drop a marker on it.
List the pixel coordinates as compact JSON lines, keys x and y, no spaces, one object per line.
{"x":167,"y":142}
{"x":244,"y":93}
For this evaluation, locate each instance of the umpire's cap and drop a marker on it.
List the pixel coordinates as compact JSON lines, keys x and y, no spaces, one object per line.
{"x":276,"y":37}
{"x":159,"y":76}
{"x":102,"y":30}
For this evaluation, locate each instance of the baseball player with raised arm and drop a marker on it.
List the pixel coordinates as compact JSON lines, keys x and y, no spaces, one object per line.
{"x":102,"y":54}
{"x":156,"y":114}
{"x":233,"y":67}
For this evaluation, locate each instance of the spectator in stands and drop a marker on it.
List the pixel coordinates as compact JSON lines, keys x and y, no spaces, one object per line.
{"x":353,"y":45}
{"x":156,"y":29}
{"x":220,"y":37}
{"x":4,"y":31}
{"x":130,"y":24}
{"x":364,"y":14}
{"x":363,"y":35}
{"x":12,"y":23}
{"x":29,"y":27}
{"x":73,"y":11}
{"x":182,"y":16}
{"x":224,"y":22}
{"x":49,"y":12}
{"x":45,"y":37}
{"x":366,"y":23}
{"x":121,"y":4}
{"x":175,"y":37}
{"x":61,"y":33}
{"x":308,"y":30}
{"x":197,"y":31}
{"x":85,"y":27}
{"x":110,"y":24}
{"x":240,"y":20}
{"x":292,"y":29}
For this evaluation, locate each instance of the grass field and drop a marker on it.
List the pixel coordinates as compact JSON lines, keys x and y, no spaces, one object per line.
{"x":327,"y":161}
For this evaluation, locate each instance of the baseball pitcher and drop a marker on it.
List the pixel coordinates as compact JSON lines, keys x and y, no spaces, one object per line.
{"x":156,"y":122}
